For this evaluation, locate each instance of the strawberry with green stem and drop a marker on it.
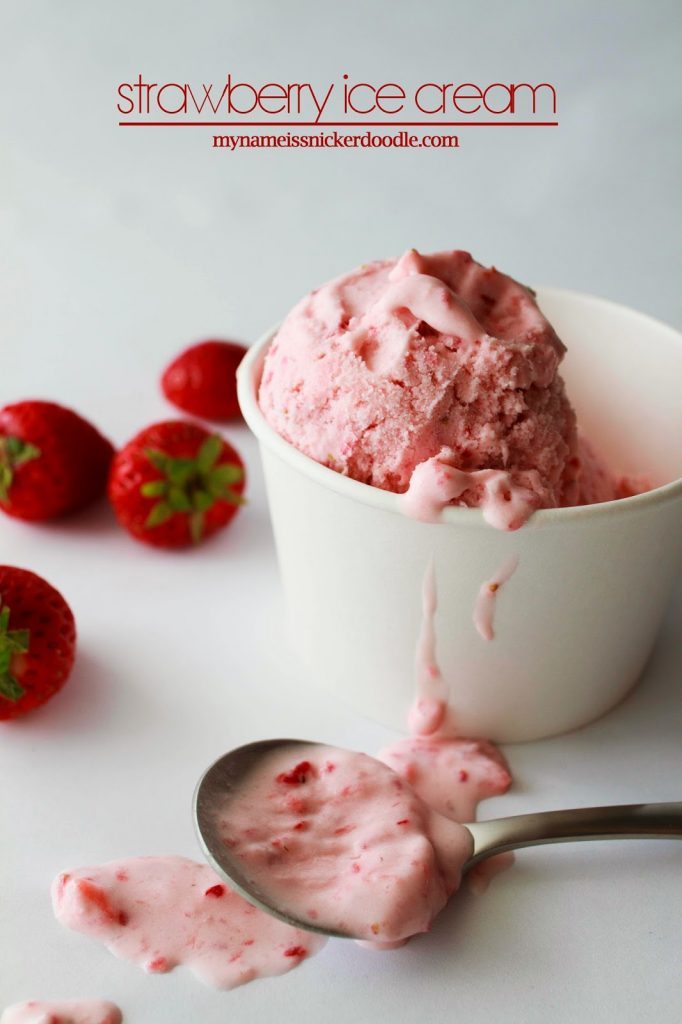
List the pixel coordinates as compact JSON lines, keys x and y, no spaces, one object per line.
{"x":175,"y":484}
{"x":13,"y":453}
{"x":37,"y":641}
{"x":52,"y":461}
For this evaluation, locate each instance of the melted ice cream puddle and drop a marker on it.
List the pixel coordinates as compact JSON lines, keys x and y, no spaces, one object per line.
{"x":81,"y":1012}
{"x":340,"y":835}
{"x":161,"y":912}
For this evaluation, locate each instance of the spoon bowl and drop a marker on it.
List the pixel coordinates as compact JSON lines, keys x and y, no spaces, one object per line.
{"x":220,"y":783}
{"x":223,"y":782}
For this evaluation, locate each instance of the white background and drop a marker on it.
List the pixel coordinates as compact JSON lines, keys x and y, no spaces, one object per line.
{"x":118,"y":247}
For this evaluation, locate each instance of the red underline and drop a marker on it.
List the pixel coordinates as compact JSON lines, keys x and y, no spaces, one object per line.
{"x":338,"y":124}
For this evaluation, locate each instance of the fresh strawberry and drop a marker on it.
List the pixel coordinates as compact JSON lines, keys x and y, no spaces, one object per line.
{"x":52,"y":461}
{"x":37,"y":641}
{"x":175,"y":484}
{"x":202,"y":382}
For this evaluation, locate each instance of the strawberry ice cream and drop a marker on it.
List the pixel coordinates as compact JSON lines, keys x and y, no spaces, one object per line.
{"x":436,"y":378}
{"x":160,"y":912}
{"x":338,"y":840}
{"x":81,"y":1012}
{"x":484,"y":609}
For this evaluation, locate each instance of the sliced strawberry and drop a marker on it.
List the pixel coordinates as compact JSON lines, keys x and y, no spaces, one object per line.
{"x":202,"y":381}
{"x":52,"y":461}
{"x":37,"y":641}
{"x":175,"y":484}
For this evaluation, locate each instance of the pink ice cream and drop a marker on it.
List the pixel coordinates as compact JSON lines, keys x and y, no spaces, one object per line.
{"x":160,"y":912}
{"x":450,"y":773}
{"x":82,"y":1012}
{"x":339,"y":841}
{"x":436,"y":378}
{"x":486,"y":601}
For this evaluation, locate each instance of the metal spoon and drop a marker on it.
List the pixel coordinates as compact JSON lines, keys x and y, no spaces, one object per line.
{"x":223,"y":780}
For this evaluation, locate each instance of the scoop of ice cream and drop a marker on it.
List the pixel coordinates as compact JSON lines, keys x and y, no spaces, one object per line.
{"x":338,"y":840}
{"x":430,"y":375}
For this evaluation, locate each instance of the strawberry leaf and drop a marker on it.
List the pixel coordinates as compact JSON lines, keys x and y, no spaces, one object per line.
{"x":12,"y":642}
{"x":196,"y":526}
{"x":154,"y":489}
{"x":209,"y":453}
{"x":5,"y":481}
{"x":18,"y":641}
{"x":14,"y":452}
{"x":10,"y":689}
{"x":178,"y":500}
{"x":202,"y":501}
{"x":20,"y":451}
{"x":181,"y":471}
{"x":160,"y":513}
{"x":158,"y":459}
{"x":215,"y":488}
{"x":228,"y":473}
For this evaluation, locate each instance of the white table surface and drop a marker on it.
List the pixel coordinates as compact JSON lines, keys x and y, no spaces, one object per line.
{"x":119,"y":248}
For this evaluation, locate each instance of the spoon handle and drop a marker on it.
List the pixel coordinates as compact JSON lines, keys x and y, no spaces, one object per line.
{"x":630,"y":821}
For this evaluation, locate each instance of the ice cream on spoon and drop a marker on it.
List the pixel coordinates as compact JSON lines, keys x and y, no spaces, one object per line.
{"x":333,"y":841}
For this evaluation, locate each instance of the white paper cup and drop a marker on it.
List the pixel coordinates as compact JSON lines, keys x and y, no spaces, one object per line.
{"x":577,"y":621}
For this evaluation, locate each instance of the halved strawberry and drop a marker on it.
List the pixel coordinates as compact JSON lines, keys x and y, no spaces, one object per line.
{"x":201,"y":380}
{"x":37,"y":641}
{"x":175,"y":484}
{"x":52,"y":461}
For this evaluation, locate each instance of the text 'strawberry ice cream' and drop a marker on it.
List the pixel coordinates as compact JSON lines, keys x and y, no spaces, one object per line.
{"x":338,"y":840}
{"x":81,"y":1012}
{"x":435,"y":378}
{"x":160,"y":912}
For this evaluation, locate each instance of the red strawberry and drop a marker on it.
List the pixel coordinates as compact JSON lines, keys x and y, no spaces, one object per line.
{"x":37,"y":641}
{"x":52,"y":461}
{"x":175,"y":484}
{"x":201,"y":380}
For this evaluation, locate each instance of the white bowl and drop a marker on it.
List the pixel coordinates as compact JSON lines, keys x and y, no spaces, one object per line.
{"x":575,"y":624}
